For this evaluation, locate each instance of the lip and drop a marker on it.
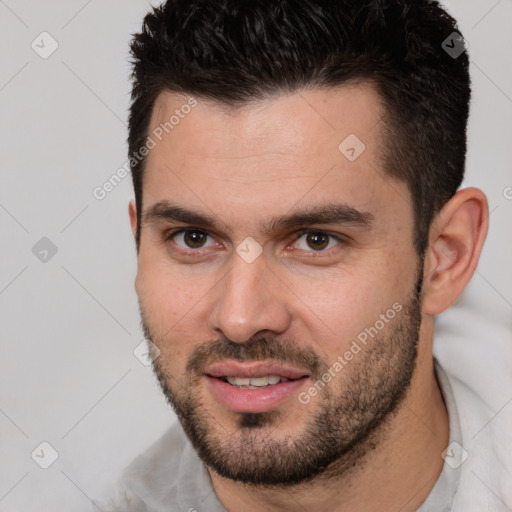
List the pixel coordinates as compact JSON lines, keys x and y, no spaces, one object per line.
{"x":254,"y":369}
{"x":253,"y":400}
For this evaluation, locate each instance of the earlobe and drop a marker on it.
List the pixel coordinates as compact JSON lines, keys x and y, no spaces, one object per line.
{"x":457,"y":235}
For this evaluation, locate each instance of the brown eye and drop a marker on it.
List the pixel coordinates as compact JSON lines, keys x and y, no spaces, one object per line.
{"x":194,"y":239}
{"x":317,"y":240}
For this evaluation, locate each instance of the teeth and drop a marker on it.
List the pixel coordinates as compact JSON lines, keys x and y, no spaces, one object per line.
{"x":255,"y":382}
{"x":259,"y":381}
{"x":239,"y":381}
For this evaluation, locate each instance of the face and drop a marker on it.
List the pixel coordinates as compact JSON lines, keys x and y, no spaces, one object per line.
{"x":278,"y":279}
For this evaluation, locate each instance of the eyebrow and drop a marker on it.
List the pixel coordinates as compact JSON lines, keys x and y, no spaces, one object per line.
{"x":164,"y":210}
{"x":324,"y":214}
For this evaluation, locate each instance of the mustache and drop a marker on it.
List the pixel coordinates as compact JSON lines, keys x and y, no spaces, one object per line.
{"x":255,"y":349}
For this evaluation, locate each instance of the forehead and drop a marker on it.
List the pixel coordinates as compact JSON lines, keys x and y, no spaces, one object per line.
{"x":311,"y":147}
{"x":295,"y":123}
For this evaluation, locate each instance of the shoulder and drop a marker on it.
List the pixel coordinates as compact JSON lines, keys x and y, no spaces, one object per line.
{"x":476,"y":355}
{"x":150,"y":481}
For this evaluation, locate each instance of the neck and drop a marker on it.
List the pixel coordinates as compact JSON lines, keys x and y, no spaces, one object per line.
{"x":396,"y":470}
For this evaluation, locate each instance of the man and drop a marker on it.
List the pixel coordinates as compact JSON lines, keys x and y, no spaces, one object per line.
{"x":298,"y":223}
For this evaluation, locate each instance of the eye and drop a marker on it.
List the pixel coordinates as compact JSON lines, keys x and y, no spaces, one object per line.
{"x":319,"y":241}
{"x":192,"y":238}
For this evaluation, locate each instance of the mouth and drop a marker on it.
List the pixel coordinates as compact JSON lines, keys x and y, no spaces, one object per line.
{"x":254,"y":386}
{"x":255,"y":382}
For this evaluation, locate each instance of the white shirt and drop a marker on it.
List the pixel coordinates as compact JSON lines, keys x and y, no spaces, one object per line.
{"x":473,"y":363}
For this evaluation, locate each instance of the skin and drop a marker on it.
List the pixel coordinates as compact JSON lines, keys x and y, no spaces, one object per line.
{"x":243,"y":167}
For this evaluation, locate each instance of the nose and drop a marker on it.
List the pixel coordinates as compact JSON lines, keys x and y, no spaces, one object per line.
{"x":249,"y":300}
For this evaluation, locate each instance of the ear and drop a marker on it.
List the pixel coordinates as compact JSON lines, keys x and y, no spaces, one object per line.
{"x":132,"y":212}
{"x":456,"y":238}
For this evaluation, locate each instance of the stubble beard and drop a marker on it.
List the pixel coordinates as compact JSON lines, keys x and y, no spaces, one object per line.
{"x":348,"y":419}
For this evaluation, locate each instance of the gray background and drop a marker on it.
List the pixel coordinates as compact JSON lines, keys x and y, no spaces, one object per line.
{"x":70,"y":323}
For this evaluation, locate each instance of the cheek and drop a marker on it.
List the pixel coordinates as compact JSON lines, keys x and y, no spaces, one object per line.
{"x":336,"y":310}
{"x":174,"y":309}
{"x":163,"y":292}
{"x":165,"y":312}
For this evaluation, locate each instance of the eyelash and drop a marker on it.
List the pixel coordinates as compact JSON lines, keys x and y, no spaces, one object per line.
{"x":196,"y":253}
{"x":318,"y":254}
